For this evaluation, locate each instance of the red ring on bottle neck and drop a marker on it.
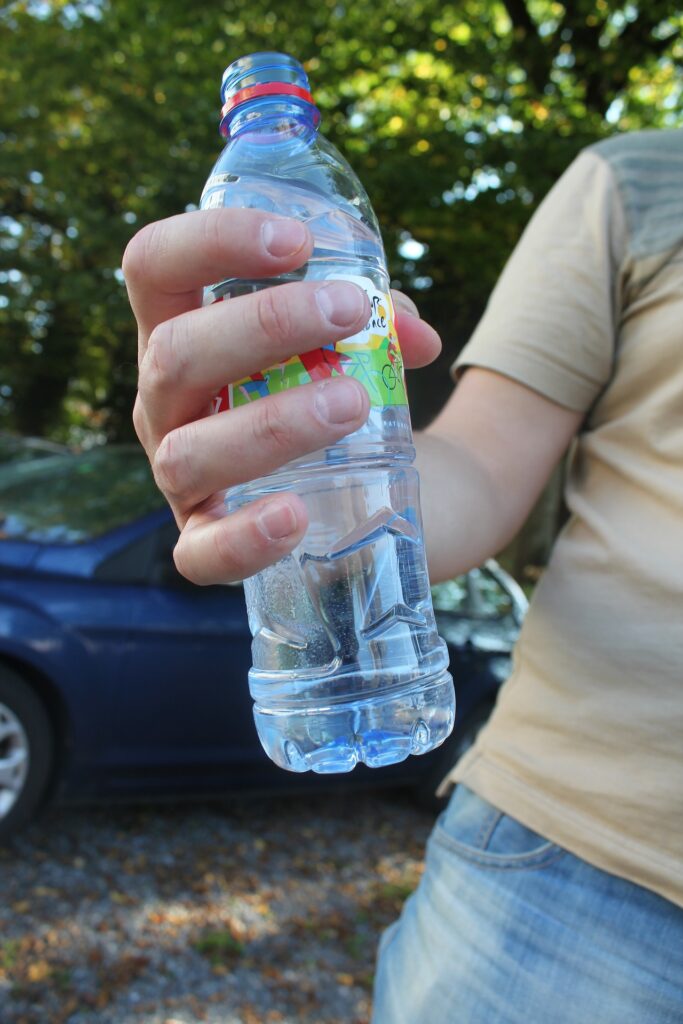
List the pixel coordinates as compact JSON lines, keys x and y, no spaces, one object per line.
{"x":265,"y":89}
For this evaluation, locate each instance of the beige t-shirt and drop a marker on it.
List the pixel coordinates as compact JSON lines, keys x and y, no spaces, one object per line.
{"x":585,"y":745}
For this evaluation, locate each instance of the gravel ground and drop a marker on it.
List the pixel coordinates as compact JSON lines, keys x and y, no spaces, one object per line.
{"x":220,"y":913}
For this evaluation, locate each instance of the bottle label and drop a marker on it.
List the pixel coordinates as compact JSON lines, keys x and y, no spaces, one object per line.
{"x":372,"y":356}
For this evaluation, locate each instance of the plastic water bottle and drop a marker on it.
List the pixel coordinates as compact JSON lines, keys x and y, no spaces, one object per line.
{"x":347,"y":663}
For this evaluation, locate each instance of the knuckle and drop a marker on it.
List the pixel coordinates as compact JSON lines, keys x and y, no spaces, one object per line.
{"x":159,"y":368}
{"x":140,"y":420}
{"x":142,"y":253}
{"x":171,"y":464}
{"x":131,"y":262}
{"x":182,"y":559}
{"x":271,"y":427}
{"x":274,"y":315}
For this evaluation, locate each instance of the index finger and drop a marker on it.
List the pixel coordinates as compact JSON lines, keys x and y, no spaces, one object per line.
{"x":167,"y":264}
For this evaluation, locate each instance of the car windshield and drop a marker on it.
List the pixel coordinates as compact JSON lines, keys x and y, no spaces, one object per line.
{"x":19,"y":449}
{"x":67,"y":499}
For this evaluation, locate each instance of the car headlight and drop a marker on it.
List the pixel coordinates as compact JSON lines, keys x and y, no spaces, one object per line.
{"x":500,"y":668}
{"x":455,"y":633}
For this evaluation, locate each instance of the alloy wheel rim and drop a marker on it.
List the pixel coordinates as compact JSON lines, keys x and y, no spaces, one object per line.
{"x":14,"y":759}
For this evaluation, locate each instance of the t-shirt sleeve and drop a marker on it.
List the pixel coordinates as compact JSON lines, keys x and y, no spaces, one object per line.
{"x":552,"y":319}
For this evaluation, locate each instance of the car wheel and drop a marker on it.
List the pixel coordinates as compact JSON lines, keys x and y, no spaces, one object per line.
{"x":26,"y":752}
{"x":453,"y":749}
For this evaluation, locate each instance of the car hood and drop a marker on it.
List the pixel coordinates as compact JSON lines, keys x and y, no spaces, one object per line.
{"x":17,"y":554}
{"x":75,"y":559}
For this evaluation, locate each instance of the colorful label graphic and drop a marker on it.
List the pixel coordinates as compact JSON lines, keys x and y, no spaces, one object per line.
{"x":372,"y":356}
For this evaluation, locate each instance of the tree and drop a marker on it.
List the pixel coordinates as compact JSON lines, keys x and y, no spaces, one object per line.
{"x":458,"y":117}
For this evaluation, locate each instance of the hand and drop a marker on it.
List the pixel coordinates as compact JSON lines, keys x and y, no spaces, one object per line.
{"x":187,"y":353}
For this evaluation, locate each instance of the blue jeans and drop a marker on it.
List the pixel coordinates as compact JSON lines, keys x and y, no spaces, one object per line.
{"x":508,"y":928}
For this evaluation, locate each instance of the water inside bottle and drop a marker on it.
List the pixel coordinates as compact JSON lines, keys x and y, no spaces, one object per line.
{"x":347,"y":662}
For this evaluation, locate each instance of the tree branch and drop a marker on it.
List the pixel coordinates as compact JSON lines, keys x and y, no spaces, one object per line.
{"x":602,"y":84}
{"x":645,"y":23}
{"x":520,"y":17}
{"x":533,"y":54}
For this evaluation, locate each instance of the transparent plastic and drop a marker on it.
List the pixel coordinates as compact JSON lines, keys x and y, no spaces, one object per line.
{"x":347,"y":662}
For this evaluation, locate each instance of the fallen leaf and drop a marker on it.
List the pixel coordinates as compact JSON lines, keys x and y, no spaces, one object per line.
{"x":39,"y":970}
{"x":45,"y":890}
{"x":249,"y":1015}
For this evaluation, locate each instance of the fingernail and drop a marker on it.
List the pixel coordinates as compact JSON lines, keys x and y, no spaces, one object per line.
{"x":338,"y":401}
{"x":277,"y":520}
{"x":405,"y":305}
{"x":283,"y":237}
{"x":341,"y":303}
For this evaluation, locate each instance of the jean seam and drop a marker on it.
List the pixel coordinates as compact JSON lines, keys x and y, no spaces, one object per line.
{"x":386,"y":940}
{"x":543,"y":855}
{"x":486,"y":833}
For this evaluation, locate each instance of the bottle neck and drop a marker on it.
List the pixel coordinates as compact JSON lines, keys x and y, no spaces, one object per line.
{"x":274,"y":115}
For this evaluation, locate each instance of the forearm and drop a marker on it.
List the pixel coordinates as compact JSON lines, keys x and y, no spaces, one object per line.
{"x":483,"y":463}
{"x":466,"y":520}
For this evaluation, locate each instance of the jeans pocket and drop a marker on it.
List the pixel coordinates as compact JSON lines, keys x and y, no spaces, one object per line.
{"x":479,"y":832}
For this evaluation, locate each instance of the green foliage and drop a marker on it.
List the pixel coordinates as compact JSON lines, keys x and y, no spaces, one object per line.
{"x":457,"y":116}
{"x":219,"y":946}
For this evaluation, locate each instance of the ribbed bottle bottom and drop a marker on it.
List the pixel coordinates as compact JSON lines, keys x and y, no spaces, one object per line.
{"x":378,"y":732}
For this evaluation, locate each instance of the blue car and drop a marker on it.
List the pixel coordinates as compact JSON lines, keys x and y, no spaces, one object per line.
{"x":119,"y":678}
{"x":18,"y":449}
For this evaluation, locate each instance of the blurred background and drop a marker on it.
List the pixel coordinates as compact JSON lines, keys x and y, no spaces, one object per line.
{"x":458,"y":118}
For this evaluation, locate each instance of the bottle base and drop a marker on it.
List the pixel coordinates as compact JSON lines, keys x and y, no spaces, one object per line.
{"x":376,"y":732}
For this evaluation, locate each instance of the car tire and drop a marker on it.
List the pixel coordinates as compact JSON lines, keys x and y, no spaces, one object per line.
{"x":458,"y":743}
{"x":27,"y":745}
